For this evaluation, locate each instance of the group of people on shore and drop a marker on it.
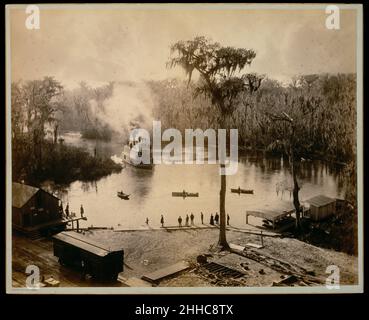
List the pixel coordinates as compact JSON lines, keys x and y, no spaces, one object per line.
{"x":65,"y":213}
{"x":214,"y":219}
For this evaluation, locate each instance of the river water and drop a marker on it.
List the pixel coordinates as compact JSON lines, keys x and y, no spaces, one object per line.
{"x":151,"y":190}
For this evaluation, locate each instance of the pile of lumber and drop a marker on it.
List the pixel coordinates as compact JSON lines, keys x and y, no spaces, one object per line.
{"x":301,"y":274}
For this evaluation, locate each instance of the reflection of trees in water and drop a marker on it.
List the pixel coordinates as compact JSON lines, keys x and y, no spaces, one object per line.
{"x":266,"y":163}
{"x":314,"y":171}
{"x":88,"y":185}
{"x":59,"y":191}
{"x":143,"y":179}
{"x":274,"y":164}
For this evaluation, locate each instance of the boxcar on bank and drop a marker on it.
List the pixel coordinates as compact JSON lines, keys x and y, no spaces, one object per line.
{"x":88,"y":256}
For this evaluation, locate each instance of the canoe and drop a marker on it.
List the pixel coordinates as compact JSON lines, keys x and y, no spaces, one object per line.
{"x":184,"y":194}
{"x":244,"y":191}
{"x":123,"y":195}
{"x":189,"y":194}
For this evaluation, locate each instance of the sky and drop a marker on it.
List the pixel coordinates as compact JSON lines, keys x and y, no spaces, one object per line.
{"x":132,"y":43}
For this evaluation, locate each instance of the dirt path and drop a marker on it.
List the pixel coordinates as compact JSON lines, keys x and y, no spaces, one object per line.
{"x":148,"y":251}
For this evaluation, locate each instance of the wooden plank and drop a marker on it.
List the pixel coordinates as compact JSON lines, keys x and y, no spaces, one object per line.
{"x":236,"y":247}
{"x":136,"y":282}
{"x":165,"y":272}
{"x":254,"y":245}
{"x":169,"y":228}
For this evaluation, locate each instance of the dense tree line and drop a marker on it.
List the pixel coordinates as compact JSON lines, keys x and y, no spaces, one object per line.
{"x":39,"y":109}
{"x":323,"y":105}
{"x":323,"y":108}
{"x":82,"y":107}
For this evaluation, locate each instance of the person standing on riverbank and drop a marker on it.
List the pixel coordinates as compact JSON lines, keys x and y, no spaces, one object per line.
{"x":61,"y":210}
{"x":82,"y":211}
{"x":162,"y":221}
{"x":180,"y":221}
{"x":67,"y":210}
{"x":187,"y":220}
{"x":216,"y":218}
{"x":202,"y":217}
{"x":192,"y":219}
{"x":228,"y":219}
{"x":147,"y":221}
{"x":212,"y":219}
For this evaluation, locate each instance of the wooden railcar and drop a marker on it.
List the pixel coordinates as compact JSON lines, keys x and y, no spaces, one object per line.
{"x":88,"y":256}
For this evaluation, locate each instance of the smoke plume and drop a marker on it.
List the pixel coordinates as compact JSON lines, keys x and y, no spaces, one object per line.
{"x":130,"y":106}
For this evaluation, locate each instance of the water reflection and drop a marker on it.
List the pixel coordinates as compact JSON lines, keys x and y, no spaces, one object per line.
{"x":151,"y":191}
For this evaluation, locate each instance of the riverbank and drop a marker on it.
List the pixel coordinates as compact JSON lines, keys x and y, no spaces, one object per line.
{"x":62,"y":164}
{"x":148,"y":251}
{"x":339,"y":232}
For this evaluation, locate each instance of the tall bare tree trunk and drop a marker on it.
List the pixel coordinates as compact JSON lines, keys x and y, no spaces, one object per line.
{"x":222,"y":214}
{"x":296,"y":189}
{"x":222,"y":243}
{"x":56,"y":133}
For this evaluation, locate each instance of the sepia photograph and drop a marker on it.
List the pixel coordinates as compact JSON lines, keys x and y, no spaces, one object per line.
{"x":184,"y":148}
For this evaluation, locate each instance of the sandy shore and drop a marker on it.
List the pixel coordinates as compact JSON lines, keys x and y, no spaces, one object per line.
{"x":148,"y":251}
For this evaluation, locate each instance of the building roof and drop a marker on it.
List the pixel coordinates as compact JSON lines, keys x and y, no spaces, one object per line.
{"x":21,"y":193}
{"x":269,"y":214}
{"x":83,"y":242}
{"x":320,"y":201}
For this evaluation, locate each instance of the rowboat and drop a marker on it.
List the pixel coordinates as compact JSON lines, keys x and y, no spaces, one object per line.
{"x":244,"y":191}
{"x":184,"y":194}
{"x":122,"y":195}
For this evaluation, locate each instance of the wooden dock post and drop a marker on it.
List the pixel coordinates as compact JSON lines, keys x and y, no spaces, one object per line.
{"x":262,"y":239}
{"x":72,"y":220}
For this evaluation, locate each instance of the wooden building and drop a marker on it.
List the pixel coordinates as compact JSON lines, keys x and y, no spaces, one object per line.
{"x":320,"y":207}
{"x":35,"y":212}
{"x":88,"y":256}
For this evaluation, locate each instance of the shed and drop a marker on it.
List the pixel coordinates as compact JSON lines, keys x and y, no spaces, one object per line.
{"x":88,"y":256}
{"x":35,"y":211}
{"x":321,"y":207}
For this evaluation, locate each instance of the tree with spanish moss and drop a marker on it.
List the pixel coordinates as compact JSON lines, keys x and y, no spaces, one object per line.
{"x":289,"y":113}
{"x":220,"y":79}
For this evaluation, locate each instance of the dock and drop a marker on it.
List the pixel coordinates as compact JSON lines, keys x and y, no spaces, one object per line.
{"x":168,"y":228}
{"x":256,"y":231}
{"x":272,"y":216}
